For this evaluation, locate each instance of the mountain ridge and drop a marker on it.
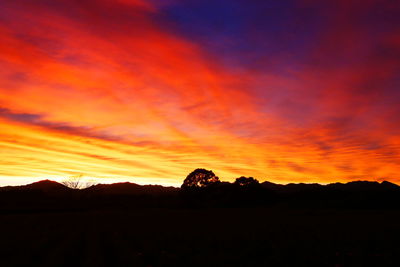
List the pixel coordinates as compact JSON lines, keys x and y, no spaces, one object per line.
{"x":52,"y":196}
{"x":47,"y":185}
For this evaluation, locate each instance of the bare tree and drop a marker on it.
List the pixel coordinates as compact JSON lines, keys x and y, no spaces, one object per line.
{"x":77,"y":182}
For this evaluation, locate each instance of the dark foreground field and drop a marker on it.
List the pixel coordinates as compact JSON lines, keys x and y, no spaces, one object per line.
{"x":201,"y":237}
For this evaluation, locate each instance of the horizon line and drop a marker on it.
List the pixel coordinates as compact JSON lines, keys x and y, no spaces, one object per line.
{"x":32,"y":180}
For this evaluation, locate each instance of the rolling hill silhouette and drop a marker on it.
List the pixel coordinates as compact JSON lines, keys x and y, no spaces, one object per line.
{"x":50,"y":195}
{"x":132,"y":188}
{"x":129,"y":188}
{"x":223,"y":224}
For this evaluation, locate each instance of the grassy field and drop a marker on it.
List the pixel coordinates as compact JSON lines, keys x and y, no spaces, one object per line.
{"x":204,"y":237}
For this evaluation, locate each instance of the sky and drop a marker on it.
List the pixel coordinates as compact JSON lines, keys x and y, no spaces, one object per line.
{"x":148,"y":90}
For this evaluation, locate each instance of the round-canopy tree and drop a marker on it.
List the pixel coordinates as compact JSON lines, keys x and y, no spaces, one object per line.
{"x":200,"y":178}
{"x":246,"y":181}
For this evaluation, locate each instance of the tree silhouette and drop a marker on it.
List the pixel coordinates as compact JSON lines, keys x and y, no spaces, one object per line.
{"x":200,"y":178}
{"x":246,"y":181}
{"x":77,"y":182}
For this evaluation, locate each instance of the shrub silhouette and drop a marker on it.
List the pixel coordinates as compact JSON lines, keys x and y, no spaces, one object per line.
{"x":199,"y":178}
{"x":246,"y":181}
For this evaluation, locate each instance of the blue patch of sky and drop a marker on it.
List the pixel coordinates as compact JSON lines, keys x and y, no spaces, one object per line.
{"x":249,"y":34}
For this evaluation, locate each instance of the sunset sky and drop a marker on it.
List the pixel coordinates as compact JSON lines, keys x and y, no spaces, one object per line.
{"x":148,"y":90}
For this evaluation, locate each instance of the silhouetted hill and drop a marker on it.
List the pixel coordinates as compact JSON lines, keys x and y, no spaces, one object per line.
{"x":222,"y":224}
{"x":272,"y":186}
{"x":44,"y":186}
{"x":389,"y":185}
{"x":364,"y":186}
{"x":354,"y":186}
{"x":129,"y":188}
{"x":132,"y":188}
{"x":49,"y":195}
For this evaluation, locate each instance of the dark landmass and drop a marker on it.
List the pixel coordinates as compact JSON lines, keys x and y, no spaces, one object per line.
{"x":222,"y":224}
{"x":53,"y":196}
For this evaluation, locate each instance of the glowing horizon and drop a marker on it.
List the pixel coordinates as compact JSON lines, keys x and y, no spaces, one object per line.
{"x":295,"y":91}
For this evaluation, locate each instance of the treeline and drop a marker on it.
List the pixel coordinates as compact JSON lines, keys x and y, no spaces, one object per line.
{"x":200,"y":189}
